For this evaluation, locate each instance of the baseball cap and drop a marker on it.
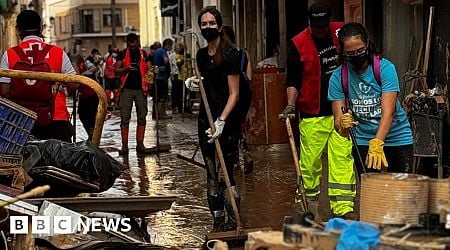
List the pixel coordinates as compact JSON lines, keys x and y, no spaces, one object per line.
{"x":28,"y":20}
{"x":319,"y":15}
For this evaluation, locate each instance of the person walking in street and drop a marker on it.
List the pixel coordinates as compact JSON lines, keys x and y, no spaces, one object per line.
{"x":45,"y":98}
{"x":88,"y":99}
{"x":311,"y":60}
{"x":383,"y":132}
{"x":162,"y":63}
{"x":218,"y":64}
{"x":245,"y":97}
{"x":112,"y":80}
{"x":177,"y":89}
{"x":176,"y":83}
{"x":132,"y":66}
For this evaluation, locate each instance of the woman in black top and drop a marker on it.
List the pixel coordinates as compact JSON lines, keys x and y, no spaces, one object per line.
{"x":218,"y":64}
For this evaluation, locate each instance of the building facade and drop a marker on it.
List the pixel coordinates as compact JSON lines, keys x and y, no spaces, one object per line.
{"x":82,"y":25}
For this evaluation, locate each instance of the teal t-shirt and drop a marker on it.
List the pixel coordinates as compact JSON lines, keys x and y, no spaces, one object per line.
{"x":365,"y":100}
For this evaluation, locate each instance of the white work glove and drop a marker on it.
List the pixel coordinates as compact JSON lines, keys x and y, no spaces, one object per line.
{"x":192,"y":82}
{"x":219,"y":125}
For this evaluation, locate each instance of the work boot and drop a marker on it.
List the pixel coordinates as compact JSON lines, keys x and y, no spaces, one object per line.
{"x":313,"y":207}
{"x":219,"y":221}
{"x":231,"y":222}
{"x":140,"y":148}
{"x":124,"y":134}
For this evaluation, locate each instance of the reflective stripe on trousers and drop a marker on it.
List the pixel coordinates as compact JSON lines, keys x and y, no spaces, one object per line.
{"x":314,"y":134}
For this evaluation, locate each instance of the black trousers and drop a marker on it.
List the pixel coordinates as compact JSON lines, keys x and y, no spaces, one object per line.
{"x":87,"y":110}
{"x":177,"y":93}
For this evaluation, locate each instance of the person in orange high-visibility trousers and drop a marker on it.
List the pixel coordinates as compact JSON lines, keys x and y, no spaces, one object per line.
{"x":312,"y":58}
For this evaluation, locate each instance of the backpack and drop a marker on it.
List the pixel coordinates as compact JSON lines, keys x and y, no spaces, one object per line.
{"x":245,"y":91}
{"x":35,"y":95}
{"x":344,"y":76}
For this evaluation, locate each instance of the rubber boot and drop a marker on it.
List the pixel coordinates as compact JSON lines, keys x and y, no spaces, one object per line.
{"x":124,"y":134}
{"x":231,"y":222}
{"x":219,"y":221}
{"x":215,"y":204}
{"x":140,"y":148}
{"x":313,"y":207}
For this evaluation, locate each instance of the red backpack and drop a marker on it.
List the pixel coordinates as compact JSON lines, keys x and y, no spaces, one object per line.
{"x":344,"y":76}
{"x":34,"y":94}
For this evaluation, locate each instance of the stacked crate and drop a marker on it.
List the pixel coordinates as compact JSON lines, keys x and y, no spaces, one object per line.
{"x":16,"y":123}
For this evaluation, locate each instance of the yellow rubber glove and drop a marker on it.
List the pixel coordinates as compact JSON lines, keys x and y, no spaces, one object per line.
{"x":375,"y":157}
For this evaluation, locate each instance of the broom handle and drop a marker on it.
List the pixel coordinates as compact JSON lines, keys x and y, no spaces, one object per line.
{"x":219,"y":153}
{"x":297,"y":166}
{"x":37,"y":191}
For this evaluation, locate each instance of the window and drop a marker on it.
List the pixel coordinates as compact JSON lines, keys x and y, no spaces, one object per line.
{"x":90,"y":20}
{"x":64,"y":24}
{"x":107,"y":20}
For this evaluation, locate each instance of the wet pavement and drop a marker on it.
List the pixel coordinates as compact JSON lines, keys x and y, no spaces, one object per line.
{"x":267,"y":193}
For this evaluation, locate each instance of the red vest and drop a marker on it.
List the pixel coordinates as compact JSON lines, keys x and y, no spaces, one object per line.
{"x":308,"y":100}
{"x":142,"y":67}
{"x":110,"y":67}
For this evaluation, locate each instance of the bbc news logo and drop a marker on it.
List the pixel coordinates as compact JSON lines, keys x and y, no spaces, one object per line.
{"x":50,"y":225}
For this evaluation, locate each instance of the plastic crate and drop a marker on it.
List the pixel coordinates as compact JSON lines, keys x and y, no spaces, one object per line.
{"x":16,"y":123}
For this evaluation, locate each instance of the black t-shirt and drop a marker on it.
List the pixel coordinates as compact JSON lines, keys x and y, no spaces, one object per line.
{"x":215,"y":78}
{"x":134,"y":80}
{"x":328,"y":63}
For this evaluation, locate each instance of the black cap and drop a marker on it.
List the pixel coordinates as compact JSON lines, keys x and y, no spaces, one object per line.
{"x":319,"y":15}
{"x":28,"y":20}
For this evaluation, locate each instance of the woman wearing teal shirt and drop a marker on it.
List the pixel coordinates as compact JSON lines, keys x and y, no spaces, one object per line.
{"x":380,"y":124}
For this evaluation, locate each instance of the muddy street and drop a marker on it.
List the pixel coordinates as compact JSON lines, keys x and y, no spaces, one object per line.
{"x":267,"y":193}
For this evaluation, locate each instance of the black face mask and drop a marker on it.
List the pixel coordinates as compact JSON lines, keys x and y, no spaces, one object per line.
{"x":357,"y":61}
{"x":210,"y":34}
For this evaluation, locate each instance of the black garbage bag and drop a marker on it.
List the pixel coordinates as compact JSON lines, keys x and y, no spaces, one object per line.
{"x":84,"y":159}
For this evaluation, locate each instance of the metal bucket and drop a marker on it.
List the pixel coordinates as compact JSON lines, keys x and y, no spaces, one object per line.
{"x":438,"y":194}
{"x":393,"y":198}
